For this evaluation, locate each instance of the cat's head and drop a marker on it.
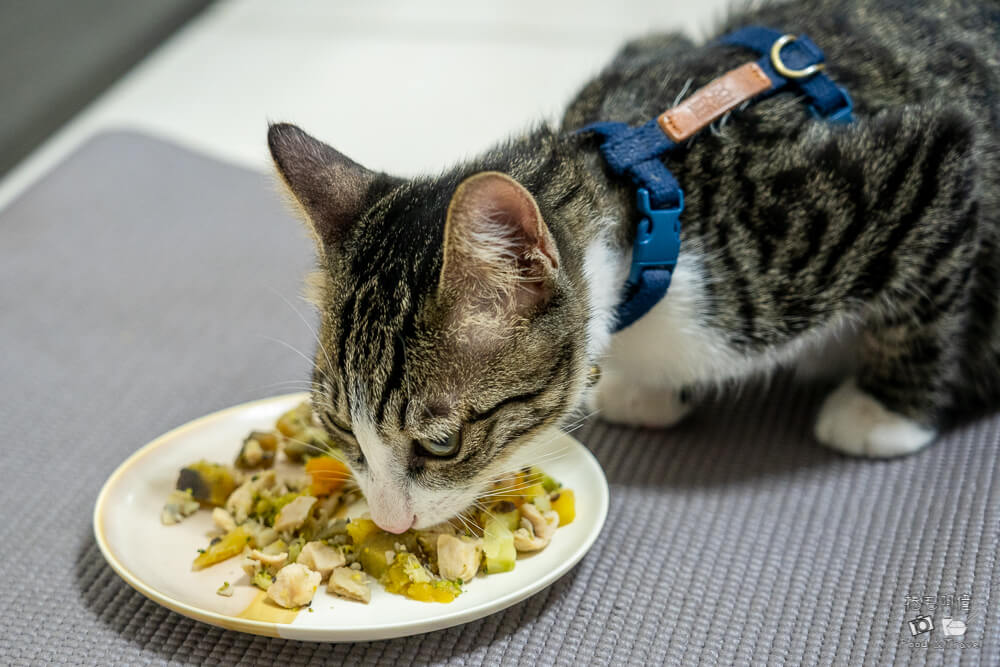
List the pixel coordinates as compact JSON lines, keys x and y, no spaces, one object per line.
{"x":451,"y":334}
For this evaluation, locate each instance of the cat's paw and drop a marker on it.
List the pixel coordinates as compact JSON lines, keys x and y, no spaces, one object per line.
{"x":855,"y":423}
{"x":624,"y":402}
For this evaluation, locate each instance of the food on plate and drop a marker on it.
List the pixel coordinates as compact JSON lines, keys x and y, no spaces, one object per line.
{"x":294,"y":586}
{"x":208,"y":483}
{"x":282,"y":507}
{"x":180,"y":504}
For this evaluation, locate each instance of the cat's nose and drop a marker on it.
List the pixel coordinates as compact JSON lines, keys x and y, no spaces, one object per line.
{"x":397,"y":525}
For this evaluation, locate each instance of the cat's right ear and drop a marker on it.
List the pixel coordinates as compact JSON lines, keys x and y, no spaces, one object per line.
{"x":328,"y":185}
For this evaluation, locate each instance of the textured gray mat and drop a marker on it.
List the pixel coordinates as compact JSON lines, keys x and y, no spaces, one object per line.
{"x":141,"y":286}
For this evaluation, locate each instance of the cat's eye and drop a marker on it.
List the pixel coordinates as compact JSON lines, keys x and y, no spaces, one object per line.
{"x":440,"y":448}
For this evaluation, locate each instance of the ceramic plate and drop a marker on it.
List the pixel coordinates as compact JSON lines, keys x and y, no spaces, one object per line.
{"x":156,"y":559}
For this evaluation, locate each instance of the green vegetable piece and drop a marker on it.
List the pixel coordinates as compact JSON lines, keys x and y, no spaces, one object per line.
{"x":263,"y":580}
{"x":295,"y":548}
{"x":511,"y":519}
{"x":498,"y":547}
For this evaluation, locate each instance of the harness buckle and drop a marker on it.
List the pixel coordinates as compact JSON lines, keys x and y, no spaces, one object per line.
{"x":784,"y":70}
{"x":657,"y":237}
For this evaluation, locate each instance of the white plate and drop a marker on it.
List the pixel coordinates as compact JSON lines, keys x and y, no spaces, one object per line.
{"x":156,"y":559}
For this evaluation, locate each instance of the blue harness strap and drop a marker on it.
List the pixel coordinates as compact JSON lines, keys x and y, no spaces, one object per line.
{"x":637,"y":152}
{"x":826,"y":99}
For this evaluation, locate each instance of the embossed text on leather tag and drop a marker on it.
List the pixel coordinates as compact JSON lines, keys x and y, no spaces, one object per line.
{"x":713,"y":100}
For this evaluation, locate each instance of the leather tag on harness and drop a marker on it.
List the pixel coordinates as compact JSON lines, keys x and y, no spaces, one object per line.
{"x":713,"y":100}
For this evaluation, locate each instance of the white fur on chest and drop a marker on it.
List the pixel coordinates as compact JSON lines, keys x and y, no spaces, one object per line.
{"x":671,"y":346}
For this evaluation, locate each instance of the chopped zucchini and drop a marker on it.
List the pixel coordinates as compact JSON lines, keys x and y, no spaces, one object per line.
{"x":507,"y":513}
{"x":360,"y":529}
{"x":295,"y":548}
{"x":499,"y":553}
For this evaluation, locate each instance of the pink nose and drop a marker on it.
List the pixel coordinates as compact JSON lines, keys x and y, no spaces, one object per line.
{"x":396,"y":526}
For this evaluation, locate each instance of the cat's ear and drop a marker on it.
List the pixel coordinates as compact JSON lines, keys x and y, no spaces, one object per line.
{"x":499,"y":257}
{"x":328,"y":185}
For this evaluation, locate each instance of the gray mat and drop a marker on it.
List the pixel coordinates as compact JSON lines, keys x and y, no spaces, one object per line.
{"x":142,"y":286}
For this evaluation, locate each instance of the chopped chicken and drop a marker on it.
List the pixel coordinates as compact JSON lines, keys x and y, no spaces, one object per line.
{"x":294,"y":586}
{"x":428,"y":537}
{"x":269,"y":560}
{"x":458,"y":557}
{"x":251,"y":566}
{"x":180,"y":504}
{"x":350,"y":584}
{"x":536,"y":528}
{"x":255,"y":561}
{"x":223,"y":520}
{"x":240,"y":501}
{"x":321,"y":557}
{"x":294,"y":513}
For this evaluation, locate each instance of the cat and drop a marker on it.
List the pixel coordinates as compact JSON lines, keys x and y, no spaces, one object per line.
{"x":461,"y":314}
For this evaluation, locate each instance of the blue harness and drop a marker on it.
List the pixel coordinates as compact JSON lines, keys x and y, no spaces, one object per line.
{"x":789,"y":63}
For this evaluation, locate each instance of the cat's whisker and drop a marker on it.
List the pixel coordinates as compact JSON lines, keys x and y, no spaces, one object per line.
{"x":310,"y":327}
{"x":289,"y":346}
{"x":467,"y":527}
{"x":482,"y":507}
{"x":505,"y":492}
{"x":286,"y":385}
{"x":514,"y":487}
{"x":324,"y":450}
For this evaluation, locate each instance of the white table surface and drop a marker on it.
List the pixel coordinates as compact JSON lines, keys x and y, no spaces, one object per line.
{"x":398,"y":85}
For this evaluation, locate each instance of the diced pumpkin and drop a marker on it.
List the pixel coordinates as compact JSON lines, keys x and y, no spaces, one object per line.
{"x":327,"y":475}
{"x":429,"y":592}
{"x":564,"y":504}
{"x":295,"y":420}
{"x":406,"y":576}
{"x":258,"y":450}
{"x":539,"y":496}
{"x":372,"y":552}
{"x":210,"y":483}
{"x":360,"y":529}
{"x":230,"y":545}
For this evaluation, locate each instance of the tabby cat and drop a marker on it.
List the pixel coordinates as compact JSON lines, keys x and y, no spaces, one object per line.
{"x":461,"y":314}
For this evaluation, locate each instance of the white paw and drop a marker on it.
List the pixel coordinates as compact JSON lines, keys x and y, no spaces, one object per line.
{"x":856,"y":423}
{"x":625,"y":402}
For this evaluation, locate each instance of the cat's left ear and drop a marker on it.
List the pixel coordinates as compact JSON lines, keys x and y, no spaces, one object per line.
{"x":499,"y":257}
{"x":329,"y":186}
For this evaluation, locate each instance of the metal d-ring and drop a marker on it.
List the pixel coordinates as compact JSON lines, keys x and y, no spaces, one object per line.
{"x":784,"y":70}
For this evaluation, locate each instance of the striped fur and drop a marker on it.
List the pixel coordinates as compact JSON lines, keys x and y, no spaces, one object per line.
{"x":882,"y":235}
